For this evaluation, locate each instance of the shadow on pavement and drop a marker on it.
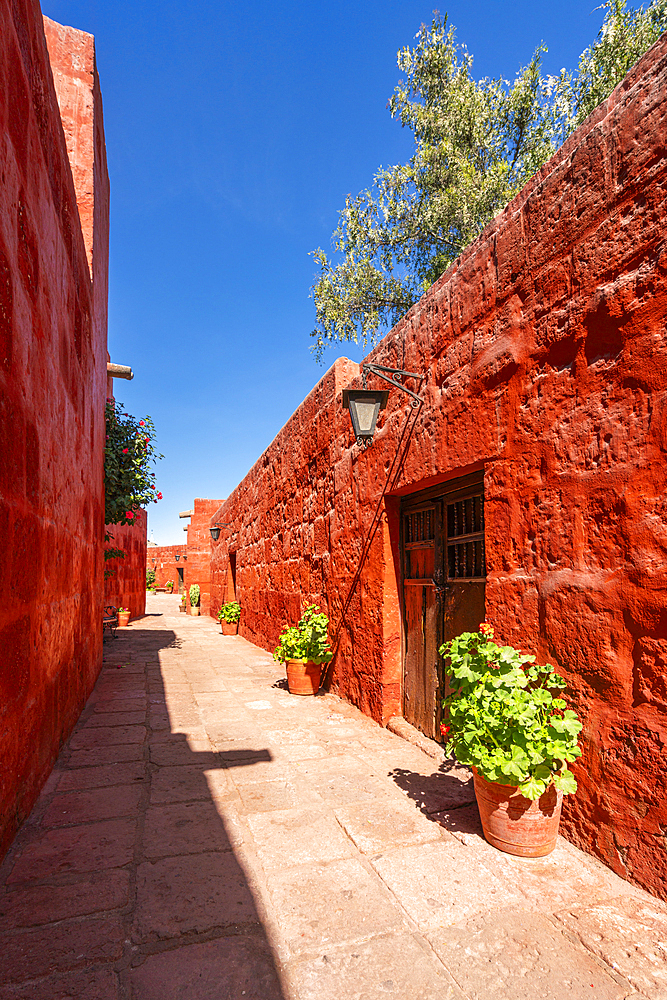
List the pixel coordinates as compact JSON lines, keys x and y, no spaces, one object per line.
{"x":446,"y":796}
{"x":125,"y":883}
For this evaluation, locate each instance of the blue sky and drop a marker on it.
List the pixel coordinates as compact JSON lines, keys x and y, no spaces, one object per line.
{"x":234,"y":132}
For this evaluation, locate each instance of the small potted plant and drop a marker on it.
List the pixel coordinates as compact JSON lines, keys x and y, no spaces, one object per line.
{"x":169,"y":586}
{"x":228,"y":616}
{"x":303,"y":648}
{"x":194,"y":599}
{"x":503,"y":720}
{"x":183,"y":606}
{"x":123,"y":617}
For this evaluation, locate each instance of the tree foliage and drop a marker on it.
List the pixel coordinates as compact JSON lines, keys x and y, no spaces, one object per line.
{"x":129,"y":482}
{"x":476,"y":145}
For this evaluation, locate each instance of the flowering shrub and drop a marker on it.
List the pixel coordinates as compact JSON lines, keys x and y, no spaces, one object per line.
{"x":129,"y":483}
{"x":503,"y":718}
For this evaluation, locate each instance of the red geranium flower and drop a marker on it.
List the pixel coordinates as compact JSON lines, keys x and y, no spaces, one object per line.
{"x":125,"y":451}
{"x":141,"y":423}
{"x":128,"y":513}
{"x":159,"y":496}
{"x":444,"y":729}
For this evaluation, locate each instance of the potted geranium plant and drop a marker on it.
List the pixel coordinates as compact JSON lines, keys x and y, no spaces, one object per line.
{"x":303,"y":648}
{"x":502,"y":719}
{"x":228,"y":616}
{"x":169,"y":586}
{"x":194,"y":599}
{"x":123,"y":617}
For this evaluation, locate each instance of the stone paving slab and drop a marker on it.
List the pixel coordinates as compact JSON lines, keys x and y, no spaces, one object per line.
{"x":318,"y":907}
{"x":630,"y":935}
{"x":207,"y":836}
{"x":91,"y":984}
{"x":515,"y":955}
{"x":395,"y":967}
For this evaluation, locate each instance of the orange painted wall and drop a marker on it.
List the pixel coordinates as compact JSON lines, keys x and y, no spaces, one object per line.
{"x":52,"y":393}
{"x":545,"y":364}
{"x":198,"y":567}
{"x":162,"y":558}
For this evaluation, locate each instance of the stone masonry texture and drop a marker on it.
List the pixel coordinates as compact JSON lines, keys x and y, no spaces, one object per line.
{"x":205,"y":835}
{"x":543,"y":357}
{"x":53,"y":289}
{"x":126,"y":587}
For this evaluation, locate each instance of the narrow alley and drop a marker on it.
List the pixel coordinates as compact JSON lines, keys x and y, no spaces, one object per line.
{"x":207,"y":836}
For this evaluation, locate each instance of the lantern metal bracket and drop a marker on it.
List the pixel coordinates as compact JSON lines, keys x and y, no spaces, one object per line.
{"x":394,"y":376}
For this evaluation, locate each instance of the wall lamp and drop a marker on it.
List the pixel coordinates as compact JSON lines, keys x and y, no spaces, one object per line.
{"x":365,"y":404}
{"x":215,"y":530}
{"x":177,"y":557}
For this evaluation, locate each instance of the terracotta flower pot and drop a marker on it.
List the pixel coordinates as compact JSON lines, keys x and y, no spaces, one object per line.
{"x":513,"y":823}
{"x":229,"y":628}
{"x":194,"y":609}
{"x":303,"y":676}
{"x":183,"y":608}
{"x":123,"y":619}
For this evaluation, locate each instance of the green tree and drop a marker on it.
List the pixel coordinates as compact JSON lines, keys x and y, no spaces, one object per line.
{"x":476,"y":145}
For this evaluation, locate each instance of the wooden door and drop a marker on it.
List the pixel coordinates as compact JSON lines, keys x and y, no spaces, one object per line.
{"x":442,"y":535}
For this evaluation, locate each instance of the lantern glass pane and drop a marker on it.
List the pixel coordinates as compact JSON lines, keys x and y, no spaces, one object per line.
{"x":366,"y":416}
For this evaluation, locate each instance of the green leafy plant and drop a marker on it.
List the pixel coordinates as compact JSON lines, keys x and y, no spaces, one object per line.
{"x":111,"y":553}
{"x":169,"y":583}
{"x":150,"y":577}
{"x":129,"y":483}
{"x":503,"y":718}
{"x":194,"y":595}
{"x":183,"y":599}
{"x":307,"y":640}
{"x":230,"y":613}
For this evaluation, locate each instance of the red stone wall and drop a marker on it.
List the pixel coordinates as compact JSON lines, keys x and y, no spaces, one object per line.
{"x":162,"y":558}
{"x":198,"y":566}
{"x":52,"y":393}
{"x":126,"y":587}
{"x":544,"y":360}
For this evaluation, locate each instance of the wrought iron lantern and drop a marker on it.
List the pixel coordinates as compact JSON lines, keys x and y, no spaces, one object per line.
{"x":177,"y":557}
{"x":215,"y":530}
{"x":365,"y":404}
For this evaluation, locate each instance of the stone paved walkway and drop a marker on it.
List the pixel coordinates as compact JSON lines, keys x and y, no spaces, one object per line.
{"x":207,"y":836}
